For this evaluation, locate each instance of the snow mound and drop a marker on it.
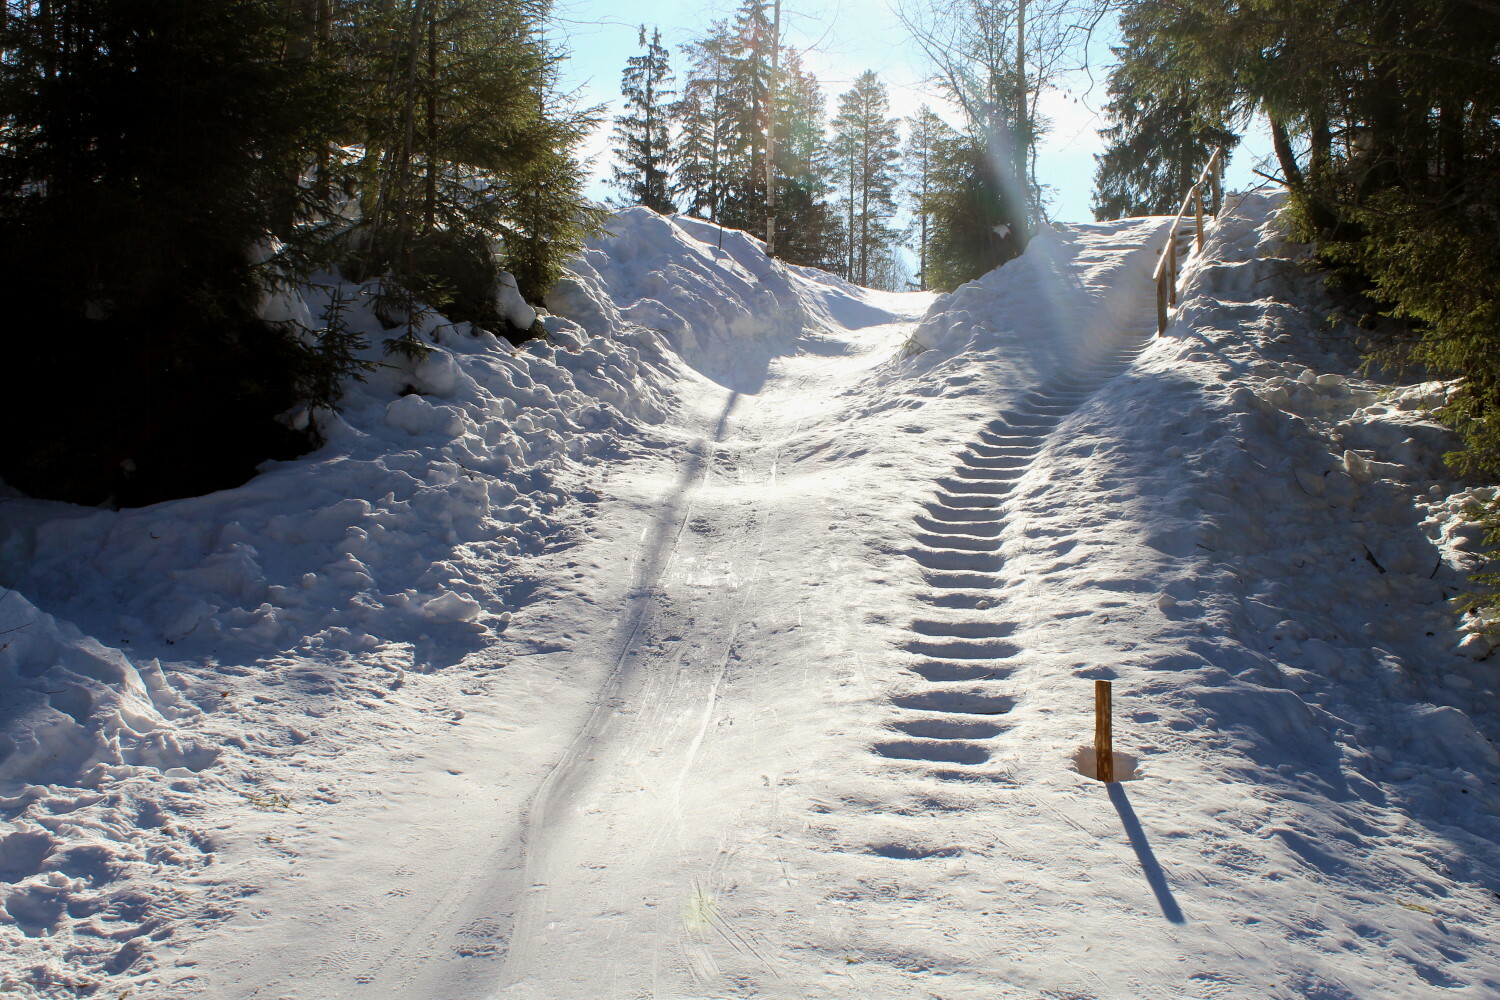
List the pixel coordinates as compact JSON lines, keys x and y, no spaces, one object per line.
{"x":711,"y":294}
{"x":1060,"y":298}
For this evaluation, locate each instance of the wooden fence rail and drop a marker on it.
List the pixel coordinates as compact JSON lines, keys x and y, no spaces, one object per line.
{"x":1166,"y":268}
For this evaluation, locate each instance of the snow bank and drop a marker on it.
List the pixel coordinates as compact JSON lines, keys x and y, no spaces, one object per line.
{"x":712,"y":294}
{"x":1295,"y":525}
{"x":1062,"y":297}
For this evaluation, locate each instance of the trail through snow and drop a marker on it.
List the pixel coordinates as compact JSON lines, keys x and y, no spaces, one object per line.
{"x":786,"y":693}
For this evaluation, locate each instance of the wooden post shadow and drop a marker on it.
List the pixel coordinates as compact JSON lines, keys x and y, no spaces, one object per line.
{"x":1155,"y":877}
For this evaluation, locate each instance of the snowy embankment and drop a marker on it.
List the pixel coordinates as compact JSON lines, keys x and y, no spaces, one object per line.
{"x":740,"y":641}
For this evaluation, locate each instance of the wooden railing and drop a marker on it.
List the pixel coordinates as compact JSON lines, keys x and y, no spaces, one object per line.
{"x":1166,"y":268}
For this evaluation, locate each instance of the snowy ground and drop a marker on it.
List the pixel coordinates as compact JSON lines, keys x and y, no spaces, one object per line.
{"x":740,"y":641}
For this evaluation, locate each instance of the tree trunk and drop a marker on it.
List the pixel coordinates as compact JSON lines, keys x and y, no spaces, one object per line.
{"x":402,"y":249}
{"x":1282,"y":143}
{"x":1320,"y":157}
{"x":1022,"y":211}
{"x":864,"y":212}
{"x":1451,"y":143}
{"x":771,"y":134}
{"x":429,"y":215}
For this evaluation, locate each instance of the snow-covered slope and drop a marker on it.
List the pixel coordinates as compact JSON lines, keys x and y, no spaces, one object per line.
{"x":160,"y":664}
{"x":740,"y":640}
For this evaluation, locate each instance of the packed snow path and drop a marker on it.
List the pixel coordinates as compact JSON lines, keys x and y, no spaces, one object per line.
{"x":649,"y":859}
{"x":636,"y":839}
{"x":740,"y":641}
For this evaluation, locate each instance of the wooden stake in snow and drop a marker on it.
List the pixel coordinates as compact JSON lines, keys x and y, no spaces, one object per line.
{"x":1104,"y":751}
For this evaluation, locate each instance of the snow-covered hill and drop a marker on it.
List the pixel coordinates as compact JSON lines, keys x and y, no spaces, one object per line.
{"x":739,"y":640}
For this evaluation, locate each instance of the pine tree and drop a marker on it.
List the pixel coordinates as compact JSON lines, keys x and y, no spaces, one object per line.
{"x":643,"y":132}
{"x":867,"y":140}
{"x":703,"y":114}
{"x":1164,"y":130}
{"x":925,"y":137}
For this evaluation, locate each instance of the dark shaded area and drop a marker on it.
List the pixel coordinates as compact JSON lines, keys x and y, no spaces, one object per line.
{"x":133,"y":413}
{"x":146,"y":149}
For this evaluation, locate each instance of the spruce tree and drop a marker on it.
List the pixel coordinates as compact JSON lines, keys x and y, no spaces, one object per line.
{"x":867,"y":143}
{"x":748,"y":94}
{"x":169,"y":133}
{"x":1164,"y":130}
{"x":181,"y":136}
{"x":643,"y":133}
{"x":968,"y":199}
{"x":703,"y":114}
{"x":721,"y":171}
{"x":807,"y":226}
{"x":465,"y":145}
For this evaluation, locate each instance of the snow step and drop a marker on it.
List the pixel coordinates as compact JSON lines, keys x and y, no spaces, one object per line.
{"x":1027,"y":439}
{"x":1012,"y":462}
{"x":949,"y":580}
{"x":967,"y":543}
{"x":984,"y":562}
{"x":963,"y":515}
{"x":990,"y":475}
{"x":995,"y":451}
{"x":961,"y":529}
{"x":1018,"y":419}
{"x":964,"y":649}
{"x":948,"y":729}
{"x":961,"y":670}
{"x":1071,"y":387}
{"x":957,"y":701}
{"x":940,"y":751}
{"x":975,"y":501}
{"x":970,"y":601}
{"x":983,"y":488}
{"x":963,"y":628}
{"x":1040,"y":398}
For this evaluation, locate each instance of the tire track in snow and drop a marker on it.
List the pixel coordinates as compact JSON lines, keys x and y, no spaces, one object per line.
{"x":468,"y":905}
{"x":569,"y":770}
{"x":685,"y":948}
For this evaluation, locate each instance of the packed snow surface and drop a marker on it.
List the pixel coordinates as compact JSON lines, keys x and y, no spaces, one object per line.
{"x":739,"y":640}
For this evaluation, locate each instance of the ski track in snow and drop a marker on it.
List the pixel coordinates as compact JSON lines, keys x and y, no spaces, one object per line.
{"x":785,"y":689}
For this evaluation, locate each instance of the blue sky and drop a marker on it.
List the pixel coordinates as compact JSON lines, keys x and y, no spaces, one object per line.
{"x":840,"y":39}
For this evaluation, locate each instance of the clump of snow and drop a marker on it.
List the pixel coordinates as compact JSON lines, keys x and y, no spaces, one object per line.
{"x":512,"y":306}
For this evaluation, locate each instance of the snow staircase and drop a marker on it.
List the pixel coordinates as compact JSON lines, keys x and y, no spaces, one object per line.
{"x":959,"y":654}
